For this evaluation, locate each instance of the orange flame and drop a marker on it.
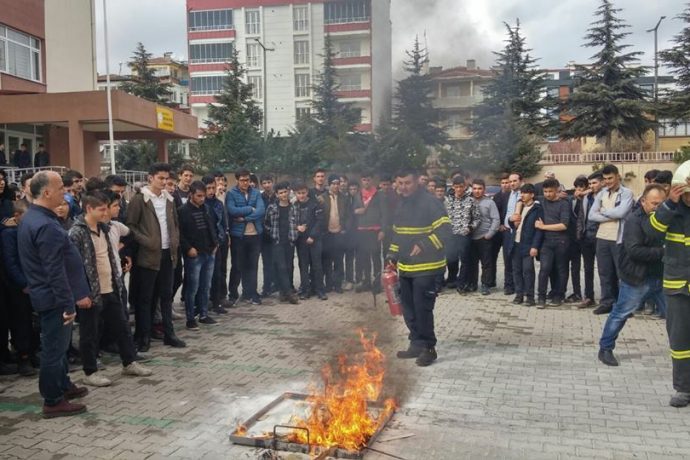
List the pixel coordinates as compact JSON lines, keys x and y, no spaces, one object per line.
{"x":340,"y":415}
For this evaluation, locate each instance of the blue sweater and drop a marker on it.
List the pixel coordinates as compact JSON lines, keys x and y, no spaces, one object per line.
{"x":250,"y":209}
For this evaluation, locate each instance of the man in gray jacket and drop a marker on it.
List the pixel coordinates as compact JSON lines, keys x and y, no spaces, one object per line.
{"x":482,"y":238}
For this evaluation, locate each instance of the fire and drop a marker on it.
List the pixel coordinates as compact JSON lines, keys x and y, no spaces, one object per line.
{"x":340,"y":415}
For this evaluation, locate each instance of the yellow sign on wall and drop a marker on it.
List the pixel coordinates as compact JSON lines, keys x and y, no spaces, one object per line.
{"x":165,"y":119}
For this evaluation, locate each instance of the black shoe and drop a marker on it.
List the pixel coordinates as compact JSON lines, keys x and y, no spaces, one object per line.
{"x":322,"y":296}
{"x":207,"y":320}
{"x":606,"y":357}
{"x":363,"y":287}
{"x":541,"y":303}
{"x":143,"y":346}
{"x":586,"y":303}
{"x":75,"y":392}
{"x":529,"y":302}
{"x":174,"y":342}
{"x":339,"y":290}
{"x":192,"y":325}
{"x":410,"y":353}
{"x":509,"y":291}
{"x":303,"y":296}
{"x":25,"y":369}
{"x":6,"y":369}
{"x":485,"y":290}
{"x":426,"y":357}
{"x":156,"y":335}
{"x":142,"y":358}
{"x":518,"y":300}
{"x":219,"y":310}
{"x":603,"y":309}
{"x":256,"y":301}
{"x":292,"y":298}
{"x":680,"y":399}
{"x":573,"y":298}
{"x":556,"y":302}
{"x":452,"y":284}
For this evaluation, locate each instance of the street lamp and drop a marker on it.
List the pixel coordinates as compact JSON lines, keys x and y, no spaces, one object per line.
{"x":111,"y":136}
{"x":265,"y":83}
{"x":656,"y":82}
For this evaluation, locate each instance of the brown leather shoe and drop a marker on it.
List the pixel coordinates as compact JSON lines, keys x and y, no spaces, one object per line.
{"x":63,"y":409}
{"x":75,"y":392}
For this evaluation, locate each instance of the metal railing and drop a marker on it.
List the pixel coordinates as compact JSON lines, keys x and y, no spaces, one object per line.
{"x":14,"y":175}
{"x":133,"y":177}
{"x":608,"y":157}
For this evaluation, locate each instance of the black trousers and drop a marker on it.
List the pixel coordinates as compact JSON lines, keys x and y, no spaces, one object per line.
{"x":178,"y":278}
{"x":508,"y":243}
{"x":219,"y":286}
{"x":482,"y":251}
{"x":678,"y":328}
{"x":309,"y":258}
{"x":554,"y":259}
{"x":268,"y":267}
{"x":152,"y":285}
{"x":244,"y":254}
{"x":18,"y":318}
{"x":418,"y":296}
{"x":333,"y":255}
{"x":522,"y":268}
{"x":110,"y":312}
{"x":589,"y":251}
{"x":607,"y":264}
{"x":497,"y":244}
{"x":368,"y":256}
{"x":575,"y":262}
{"x":283,"y":264}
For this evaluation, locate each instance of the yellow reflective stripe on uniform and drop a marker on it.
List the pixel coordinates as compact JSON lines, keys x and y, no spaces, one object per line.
{"x":685,"y":354}
{"x":394,"y":248}
{"x":674,"y":284}
{"x":656,"y":224}
{"x":411,"y":230}
{"x":435,"y":241}
{"x":422,"y":267}
{"x":440,"y":221}
{"x":675,"y":237}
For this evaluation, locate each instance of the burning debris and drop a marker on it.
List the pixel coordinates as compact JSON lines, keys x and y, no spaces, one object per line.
{"x":343,"y":414}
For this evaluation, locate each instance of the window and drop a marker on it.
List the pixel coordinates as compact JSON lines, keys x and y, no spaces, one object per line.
{"x":301,"y":52}
{"x":351,"y":82}
{"x":207,"y":85}
{"x":20,"y":54}
{"x":302,"y":112}
{"x":253,"y":55}
{"x":346,"y":11}
{"x":253,"y":20}
{"x":210,"y":52}
{"x":302,"y":85}
{"x":667,"y":128}
{"x":351,"y":48}
{"x":257,"y":86}
{"x":453,"y":91}
{"x":300,"y":17}
{"x":210,"y":20}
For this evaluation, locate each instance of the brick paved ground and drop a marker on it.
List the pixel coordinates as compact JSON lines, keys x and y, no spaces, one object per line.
{"x":510,"y":382}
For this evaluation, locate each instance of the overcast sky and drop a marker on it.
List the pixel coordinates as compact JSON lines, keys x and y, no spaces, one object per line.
{"x":456,"y":30}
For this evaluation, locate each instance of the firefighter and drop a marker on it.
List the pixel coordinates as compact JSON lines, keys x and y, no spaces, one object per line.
{"x":421,"y":228}
{"x":672,"y":220}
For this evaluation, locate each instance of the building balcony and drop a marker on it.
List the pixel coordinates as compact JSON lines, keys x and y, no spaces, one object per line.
{"x":206,"y":34}
{"x":459,"y":102}
{"x":352,"y":61}
{"x":346,"y":93}
{"x":349,"y":28}
{"x":208,"y":67}
{"x":363,"y":128}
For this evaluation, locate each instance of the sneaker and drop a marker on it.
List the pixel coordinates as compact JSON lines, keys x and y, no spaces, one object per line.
{"x":648,"y":309}
{"x":63,"y":409}
{"x":137,"y":370}
{"x":303,"y":296}
{"x":25,"y":369}
{"x":556,"y":302}
{"x":75,"y":392}
{"x":96,"y":380}
{"x":509,"y":291}
{"x":529,"y":302}
{"x":256,"y":301}
{"x":518,"y":299}
{"x":606,"y":357}
{"x":143,"y":357}
{"x":219,"y":310}
{"x":348,"y":286}
{"x":586,"y":303}
{"x":292,"y":298}
{"x":410,"y":353}
{"x":541,"y":303}
{"x":338,"y":290}
{"x":207,"y":320}
{"x":322,"y":296}
{"x":603,"y":309}
{"x":426,"y":357}
{"x":680,"y":399}
{"x":192,"y":325}
{"x":573,"y":298}
{"x":485,"y":290}
{"x":174,"y":342}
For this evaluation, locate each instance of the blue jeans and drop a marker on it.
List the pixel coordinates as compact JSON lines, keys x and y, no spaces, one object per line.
{"x":629,"y":298}
{"x":198,"y":273}
{"x":53,"y":379}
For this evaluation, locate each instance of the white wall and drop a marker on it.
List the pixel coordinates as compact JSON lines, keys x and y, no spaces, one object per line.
{"x":70,"y":45}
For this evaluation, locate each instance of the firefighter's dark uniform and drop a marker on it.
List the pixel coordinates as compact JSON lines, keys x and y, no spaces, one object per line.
{"x":421,"y":220}
{"x":673,"y":221}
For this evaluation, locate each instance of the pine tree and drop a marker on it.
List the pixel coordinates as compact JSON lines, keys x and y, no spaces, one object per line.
{"x":414,"y":111}
{"x":606,"y":99}
{"x":334,"y":116}
{"x":233,"y":137}
{"x":144,"y":83}
{"x":676,"y":104}
{"x":511,"y":120}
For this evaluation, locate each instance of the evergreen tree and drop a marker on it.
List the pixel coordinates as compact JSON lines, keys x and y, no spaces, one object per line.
{"x":414,"y":111}
{"x":607,"y":99}
{"x":396,"y":149}
{"x":511,"y":120}
{"x":135,"y":155}
{"x":144,"y":83}
{"x":233,"y":137}
{"x":677,"y":100}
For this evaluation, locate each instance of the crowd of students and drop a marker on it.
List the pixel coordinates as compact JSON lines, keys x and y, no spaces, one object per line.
{"x":178,"y":233}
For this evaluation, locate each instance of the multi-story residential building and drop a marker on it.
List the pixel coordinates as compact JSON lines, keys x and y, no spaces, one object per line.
{"x":455,"y":93}
{"x":281,"y":43}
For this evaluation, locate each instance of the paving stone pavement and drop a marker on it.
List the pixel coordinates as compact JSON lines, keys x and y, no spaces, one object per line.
{"x":510,"y":382}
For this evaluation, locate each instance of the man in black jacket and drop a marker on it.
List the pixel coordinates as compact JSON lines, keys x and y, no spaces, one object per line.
{"x":641,"y":272}
{"x":309,"y":243}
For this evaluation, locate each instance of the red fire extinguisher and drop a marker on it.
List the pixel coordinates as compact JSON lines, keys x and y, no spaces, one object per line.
{"x":391,"y":286}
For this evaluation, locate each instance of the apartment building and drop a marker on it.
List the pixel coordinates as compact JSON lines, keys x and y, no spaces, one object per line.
{"x":281,"y":44}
